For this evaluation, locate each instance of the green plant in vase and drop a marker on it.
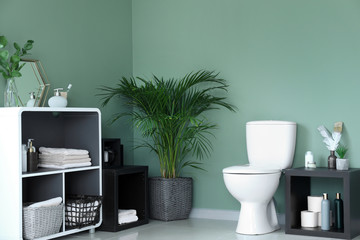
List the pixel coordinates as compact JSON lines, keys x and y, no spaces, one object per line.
{"x":11,"y":67}
{"x":341,"y":162}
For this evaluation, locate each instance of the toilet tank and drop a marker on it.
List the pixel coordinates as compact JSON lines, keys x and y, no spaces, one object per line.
{"x":271,"y":144}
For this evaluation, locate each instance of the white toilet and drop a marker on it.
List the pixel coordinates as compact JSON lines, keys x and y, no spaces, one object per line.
{"x":270,"y":148}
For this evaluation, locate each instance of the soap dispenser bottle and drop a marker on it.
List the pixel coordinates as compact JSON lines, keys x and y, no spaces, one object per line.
{"x":57,"y":100}
{"x":325,"y":212}
{"x":339,"y":212}
{"x":32,"y":158}
{"x":31,"y":101}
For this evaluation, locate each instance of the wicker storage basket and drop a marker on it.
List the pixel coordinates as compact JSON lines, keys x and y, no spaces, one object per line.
{"x":82,"y":211}
{"x":41,"y":221}
{"x":170,"y":199}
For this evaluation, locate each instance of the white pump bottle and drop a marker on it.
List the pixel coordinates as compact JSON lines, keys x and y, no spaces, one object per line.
{"x":57,"y":100}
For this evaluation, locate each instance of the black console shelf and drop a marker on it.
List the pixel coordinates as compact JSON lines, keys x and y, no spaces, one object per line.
{"x":298,"y":187}
{"x":124,"y":188}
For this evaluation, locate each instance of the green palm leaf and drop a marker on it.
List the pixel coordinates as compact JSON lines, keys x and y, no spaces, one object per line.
{"x":169,"y":115}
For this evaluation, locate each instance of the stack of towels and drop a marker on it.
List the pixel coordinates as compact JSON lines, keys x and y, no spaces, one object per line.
{"x":63,"y":158}
{"x":127,"y":216}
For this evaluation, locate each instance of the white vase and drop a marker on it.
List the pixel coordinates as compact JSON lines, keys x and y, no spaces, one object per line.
{"x":342,"y":164}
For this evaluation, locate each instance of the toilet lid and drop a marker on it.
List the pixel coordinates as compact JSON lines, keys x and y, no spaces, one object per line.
{"x":247,"y":169}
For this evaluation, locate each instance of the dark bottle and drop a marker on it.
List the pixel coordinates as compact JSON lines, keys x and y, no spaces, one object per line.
{"x":339,"y":212}
{"x":332,"y":160}
{"x":32,"y":157}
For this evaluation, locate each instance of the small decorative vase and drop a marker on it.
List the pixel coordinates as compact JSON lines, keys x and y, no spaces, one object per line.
{"x":332,"y":160}
{"x":11,"y":95}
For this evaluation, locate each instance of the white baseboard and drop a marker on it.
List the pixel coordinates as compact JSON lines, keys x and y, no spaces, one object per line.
{"x":218,"y":214}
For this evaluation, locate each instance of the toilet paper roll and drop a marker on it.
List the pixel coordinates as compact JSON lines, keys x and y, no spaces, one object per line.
{"x":309,"y":219}
{"x":314,"y":203}
{"x":319,"y":218}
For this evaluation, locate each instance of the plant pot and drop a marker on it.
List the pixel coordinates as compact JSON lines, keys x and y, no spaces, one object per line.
{"x":170,"y":198}
{"x":342,"y":164}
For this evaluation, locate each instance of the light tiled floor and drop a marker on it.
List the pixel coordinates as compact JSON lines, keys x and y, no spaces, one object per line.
{"x":191,"y":229}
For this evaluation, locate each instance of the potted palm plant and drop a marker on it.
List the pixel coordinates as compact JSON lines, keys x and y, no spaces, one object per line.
{"x":170,"y":117}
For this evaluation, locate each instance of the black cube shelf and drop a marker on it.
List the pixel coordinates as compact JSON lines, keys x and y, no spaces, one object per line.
{"x":115,"y":149}
{"x":124,"y":188}
{"x":298,"y":187}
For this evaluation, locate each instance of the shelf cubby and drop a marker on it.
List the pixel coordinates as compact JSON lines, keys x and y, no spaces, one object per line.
{"x":40,"y":188}
{"x":82,"y":183}
{"x":303,"y":182}
{"x":63,"y":129}
{"x":124,"y":188}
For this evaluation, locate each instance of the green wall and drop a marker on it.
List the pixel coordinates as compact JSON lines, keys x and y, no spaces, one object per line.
{"x":286,"y":60}
{"x":85,"y":42}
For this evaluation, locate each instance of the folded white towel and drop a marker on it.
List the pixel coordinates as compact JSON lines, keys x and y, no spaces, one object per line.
{"x":48,"y":203}
{"x":127,"y":219}
{"x":127,"y":212}
{"x":64,"y":162}
{"x":61,"y":157}
{"x":72,"y":165}
{"x":63,"y":151}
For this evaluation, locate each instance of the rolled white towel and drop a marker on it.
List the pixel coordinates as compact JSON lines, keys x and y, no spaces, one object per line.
{"x":127,"y":219}
{"x":127,"y":212}
{"x":63,"y":151}
{"x":48,"y":203}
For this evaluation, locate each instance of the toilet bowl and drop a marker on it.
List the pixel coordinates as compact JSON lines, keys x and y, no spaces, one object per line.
{"x":257,"y":215}
{"x":270,"y":146}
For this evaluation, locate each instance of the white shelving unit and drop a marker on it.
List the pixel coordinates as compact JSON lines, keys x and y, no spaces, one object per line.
{"x":78,"y":128}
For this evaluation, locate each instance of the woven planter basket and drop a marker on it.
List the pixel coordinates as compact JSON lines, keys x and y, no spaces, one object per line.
{"x":170,"y":199}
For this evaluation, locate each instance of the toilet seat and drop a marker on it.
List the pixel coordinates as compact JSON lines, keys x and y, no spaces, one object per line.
{"x":249,"y":169}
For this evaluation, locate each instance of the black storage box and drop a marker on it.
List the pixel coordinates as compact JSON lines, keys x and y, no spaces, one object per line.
{"x":112,"y":153}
